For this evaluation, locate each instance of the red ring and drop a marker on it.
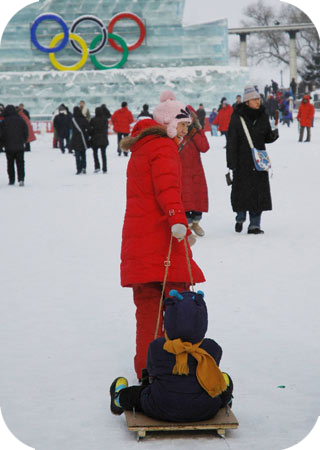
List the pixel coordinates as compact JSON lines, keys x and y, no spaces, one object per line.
{"x":139,"y":23}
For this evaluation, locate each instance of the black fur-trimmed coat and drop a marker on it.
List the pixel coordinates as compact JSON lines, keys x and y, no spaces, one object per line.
{"x":250,"y":189}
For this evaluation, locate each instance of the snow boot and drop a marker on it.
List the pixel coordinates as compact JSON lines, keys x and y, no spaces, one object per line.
{"x":192,"y":239}
{"x":115,"y":389}
{"x":238,"y":227}
{"x":197,"y":229}
{"x":226,"y":396}
{"x":144,"y":380}
{"x":255,"y":231}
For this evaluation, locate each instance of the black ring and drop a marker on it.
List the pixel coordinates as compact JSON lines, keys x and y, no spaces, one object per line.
{"x":103,"y":29}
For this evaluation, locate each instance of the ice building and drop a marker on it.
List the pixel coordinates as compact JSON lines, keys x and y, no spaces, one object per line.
{"x":193,"y":61}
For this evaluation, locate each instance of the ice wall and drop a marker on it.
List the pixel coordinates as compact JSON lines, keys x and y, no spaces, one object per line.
{"x":167,"y":42}
{"x":44,"y":91}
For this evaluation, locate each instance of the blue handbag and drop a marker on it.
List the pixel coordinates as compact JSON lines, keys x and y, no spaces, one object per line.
{"x":261,"y":158}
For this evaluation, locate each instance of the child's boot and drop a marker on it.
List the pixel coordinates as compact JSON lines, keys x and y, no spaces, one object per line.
{"x":197,"y":229}
{"x":226,"y":396}
{"x":192,"y":238}
{"x":115,"y":389}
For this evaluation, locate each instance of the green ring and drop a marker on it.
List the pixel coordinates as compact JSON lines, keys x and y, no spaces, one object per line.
{"x":125,"y":54}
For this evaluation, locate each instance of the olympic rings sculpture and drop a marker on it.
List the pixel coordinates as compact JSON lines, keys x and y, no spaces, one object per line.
{"x":60,"y":41}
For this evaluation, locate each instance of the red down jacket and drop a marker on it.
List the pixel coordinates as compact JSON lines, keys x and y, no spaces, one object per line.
{"x":306,"y":112}
{"x":194,"y":185}
{"x":121,"y":120}
{"x":223,"y":118}
{"x":153,"y":206}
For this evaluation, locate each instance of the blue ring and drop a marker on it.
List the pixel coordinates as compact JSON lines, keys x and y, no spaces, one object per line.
{"x":37,"y":22}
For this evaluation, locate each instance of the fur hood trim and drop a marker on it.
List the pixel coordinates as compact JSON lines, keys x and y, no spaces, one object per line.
{"x":157,"y":131}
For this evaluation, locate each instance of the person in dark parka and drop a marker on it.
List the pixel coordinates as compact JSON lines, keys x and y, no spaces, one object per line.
{"x":271,"y":107}
{"x":145,"y":113}
{"x":80,"y":139}
{"x":14,"y":135}
{"x":250,"y":188}
{"x":187,"y":384}
{"x":63,"y":124}
{"x":105,"y":111}
{"x":99,"y":139}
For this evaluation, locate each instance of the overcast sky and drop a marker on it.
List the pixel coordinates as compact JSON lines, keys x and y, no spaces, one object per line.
{"x":197,"y":11}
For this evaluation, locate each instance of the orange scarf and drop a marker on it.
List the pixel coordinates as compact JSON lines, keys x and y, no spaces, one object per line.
{"x":208,"y":373}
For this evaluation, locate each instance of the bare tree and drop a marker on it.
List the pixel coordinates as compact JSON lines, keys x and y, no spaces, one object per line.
{"x":272,"y":46}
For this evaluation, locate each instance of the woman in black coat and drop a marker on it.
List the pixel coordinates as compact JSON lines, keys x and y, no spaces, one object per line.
{"x":80,"y":139}
{"x":14,"y":135}
{"x":99,"y":138}
{"x":250,"y":188}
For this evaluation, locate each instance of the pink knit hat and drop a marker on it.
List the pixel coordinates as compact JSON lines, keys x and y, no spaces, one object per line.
{"x":170,"y":111}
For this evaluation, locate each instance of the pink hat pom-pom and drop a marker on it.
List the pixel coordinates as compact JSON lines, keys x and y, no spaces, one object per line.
{"x":167,"y":95}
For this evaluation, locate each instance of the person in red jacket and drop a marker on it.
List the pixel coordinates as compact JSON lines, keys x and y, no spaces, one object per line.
{"x":223,"y":118}
{"x":154,"y":217}
{"x":121,"y":120}
{"x":194,"y":185}
{"x":305,"y":117}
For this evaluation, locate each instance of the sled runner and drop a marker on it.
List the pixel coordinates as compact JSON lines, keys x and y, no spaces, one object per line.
{"x":141,"y":424}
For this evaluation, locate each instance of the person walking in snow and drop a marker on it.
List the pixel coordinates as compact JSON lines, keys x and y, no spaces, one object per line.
{"x":237,"y":102}
{"x":154,"y":215}
{"x":85,"y":111}
{"x":99,"y":139}
{"x":194,"y":185}
{"x":121,"y":119}
{"x":271,"y":107}
{"x":214,"y":128}
{"x":223,"y":118}
{"x":105,"y":112}
{"x":187,"y":383}
{"x":63,"y":124}
{"x":14,"y":136}
{"x":145,"y":113}
{"x":201,"y":113}
{"x":80,"y":139}
{"x":305,"y":117}
{"x":250,"y":191}
{"x":2,"y":108}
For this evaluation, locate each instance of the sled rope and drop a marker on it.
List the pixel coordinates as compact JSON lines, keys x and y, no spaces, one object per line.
{"x":167,"y":263}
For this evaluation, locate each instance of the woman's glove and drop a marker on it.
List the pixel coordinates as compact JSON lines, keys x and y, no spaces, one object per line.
{"x":179,"y":231}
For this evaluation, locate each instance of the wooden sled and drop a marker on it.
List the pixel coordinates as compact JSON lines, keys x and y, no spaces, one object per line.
{"x":141,"y":424}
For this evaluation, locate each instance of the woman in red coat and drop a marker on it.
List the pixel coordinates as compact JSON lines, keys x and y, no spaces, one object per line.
{"x":194,"y":185}
{"x":223,"y":118}
{"x":154,"y":212}
{"x":305,"y":117}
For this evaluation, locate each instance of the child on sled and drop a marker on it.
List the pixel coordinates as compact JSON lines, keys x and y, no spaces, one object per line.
{"x":186,"y":382}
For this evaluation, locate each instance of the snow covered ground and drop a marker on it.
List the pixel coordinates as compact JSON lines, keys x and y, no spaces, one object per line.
{"x":69,"y":328}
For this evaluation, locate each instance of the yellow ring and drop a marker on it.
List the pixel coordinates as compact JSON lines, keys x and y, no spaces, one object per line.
{"x":80,"y":41}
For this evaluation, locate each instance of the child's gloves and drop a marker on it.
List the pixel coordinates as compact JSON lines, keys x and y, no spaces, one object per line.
{"x":179,"y":231}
